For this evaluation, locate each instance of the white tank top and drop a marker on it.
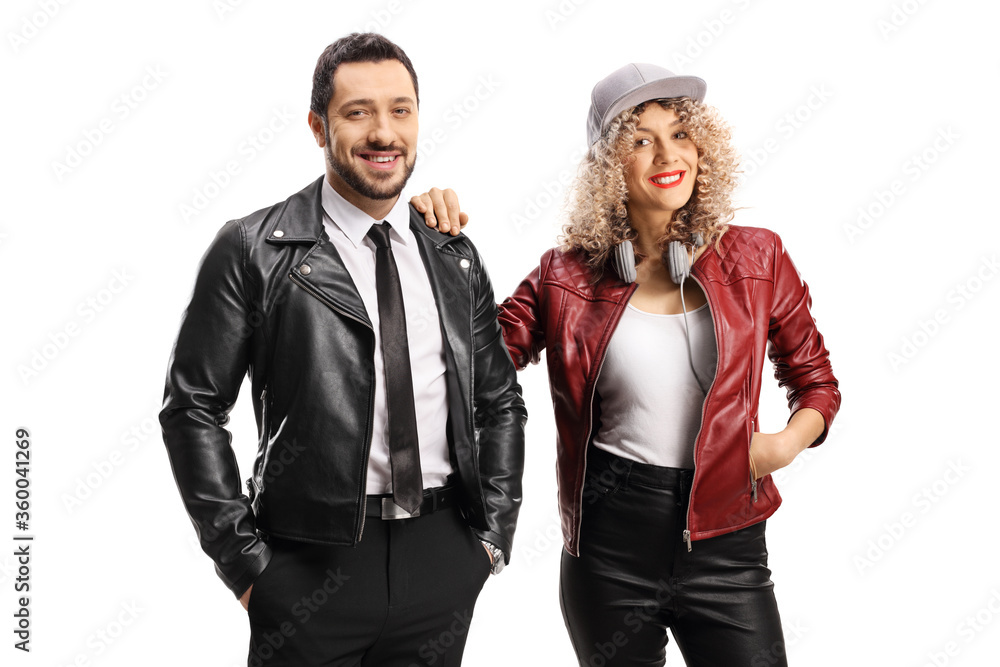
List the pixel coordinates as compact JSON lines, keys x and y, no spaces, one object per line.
{"x":650,"y":401}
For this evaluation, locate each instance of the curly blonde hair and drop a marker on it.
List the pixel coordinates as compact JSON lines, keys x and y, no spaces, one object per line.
{"x":598,"y":216}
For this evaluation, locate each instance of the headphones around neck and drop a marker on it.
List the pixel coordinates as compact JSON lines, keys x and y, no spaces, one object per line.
{"x":679,"y":261}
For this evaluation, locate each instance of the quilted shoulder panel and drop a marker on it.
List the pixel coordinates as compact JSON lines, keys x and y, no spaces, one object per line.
{"x":568,"y":270}
{"x":745,"y":252}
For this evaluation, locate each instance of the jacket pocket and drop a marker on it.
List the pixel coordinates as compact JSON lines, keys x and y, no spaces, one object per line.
{"x":265,"y":421}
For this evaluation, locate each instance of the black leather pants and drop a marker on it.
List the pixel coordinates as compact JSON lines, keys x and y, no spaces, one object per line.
{"x":635,"y":577}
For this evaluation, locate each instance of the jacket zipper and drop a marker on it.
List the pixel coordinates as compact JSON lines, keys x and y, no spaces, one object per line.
{"x":364,"y":475}
{"x":686,"y":535}
{"x":753,"y":480}
{"x":267,"y":437}
{"x":371,"y":403}
{"x":471,"y":423}
{"x":615,"y":318}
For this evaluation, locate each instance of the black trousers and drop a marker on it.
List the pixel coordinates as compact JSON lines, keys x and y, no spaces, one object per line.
{"x":403,"y":597}
{"x":635,"y":577}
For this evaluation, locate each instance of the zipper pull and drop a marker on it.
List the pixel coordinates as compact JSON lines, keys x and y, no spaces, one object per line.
{"x":753,"y":490}
{"x":687,"y":538}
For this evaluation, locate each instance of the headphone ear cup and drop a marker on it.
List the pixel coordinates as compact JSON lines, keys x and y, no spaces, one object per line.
{"x":623,"y":261}
{"x":677,"y":262}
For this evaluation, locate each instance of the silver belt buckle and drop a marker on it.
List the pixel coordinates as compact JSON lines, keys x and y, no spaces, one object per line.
{"x":391,"y":510}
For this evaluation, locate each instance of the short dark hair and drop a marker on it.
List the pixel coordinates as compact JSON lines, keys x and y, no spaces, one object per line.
{"x":358,"y":47}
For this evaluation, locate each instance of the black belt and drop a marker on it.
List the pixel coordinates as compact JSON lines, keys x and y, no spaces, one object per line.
{"x":382,"y":507}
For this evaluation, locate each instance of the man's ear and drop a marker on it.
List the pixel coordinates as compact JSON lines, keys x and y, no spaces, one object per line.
{"x":318,"y":129}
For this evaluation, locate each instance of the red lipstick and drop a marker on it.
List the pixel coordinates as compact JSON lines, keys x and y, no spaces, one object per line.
{"x":668,"y":174}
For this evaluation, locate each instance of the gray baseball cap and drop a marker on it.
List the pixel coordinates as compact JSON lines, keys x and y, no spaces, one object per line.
{"x":634,"y":84}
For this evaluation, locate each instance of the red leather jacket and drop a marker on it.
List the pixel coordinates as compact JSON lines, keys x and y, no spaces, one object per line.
{"x":759,"y":304}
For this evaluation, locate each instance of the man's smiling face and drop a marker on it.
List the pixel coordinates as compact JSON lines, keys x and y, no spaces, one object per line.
{"x":371,"y":131}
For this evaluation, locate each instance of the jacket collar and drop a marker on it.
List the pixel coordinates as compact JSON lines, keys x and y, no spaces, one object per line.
{"x":355,"y":224}
{"x":299,"y":219}
{"x":436,"y":239}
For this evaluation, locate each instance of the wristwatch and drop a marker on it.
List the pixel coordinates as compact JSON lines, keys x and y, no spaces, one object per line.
{"x":497,"y":554}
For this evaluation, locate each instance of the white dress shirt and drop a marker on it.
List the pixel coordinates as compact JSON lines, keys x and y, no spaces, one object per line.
{"x":347,"y":226}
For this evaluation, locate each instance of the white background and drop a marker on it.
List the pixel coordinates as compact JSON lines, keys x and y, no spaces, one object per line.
{"x":881,"y":556}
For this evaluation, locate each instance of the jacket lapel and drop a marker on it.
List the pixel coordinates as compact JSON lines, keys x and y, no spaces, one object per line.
{"x":321,"y":271}
{"x":449,"y":269}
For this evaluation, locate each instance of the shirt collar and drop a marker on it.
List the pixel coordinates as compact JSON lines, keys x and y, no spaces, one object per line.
{"x":355,"y":223}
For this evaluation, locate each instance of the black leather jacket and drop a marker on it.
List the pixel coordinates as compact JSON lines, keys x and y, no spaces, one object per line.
{"x":273,"y":299}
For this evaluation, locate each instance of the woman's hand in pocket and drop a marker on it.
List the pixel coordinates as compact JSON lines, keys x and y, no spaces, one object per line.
{"x":774,"y":451}
{"x":769,"y":452}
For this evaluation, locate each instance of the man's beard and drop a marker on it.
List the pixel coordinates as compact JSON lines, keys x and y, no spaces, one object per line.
{"x":377,"y":187}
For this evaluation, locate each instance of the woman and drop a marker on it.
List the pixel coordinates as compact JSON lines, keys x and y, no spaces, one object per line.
{"x":664,"y":481}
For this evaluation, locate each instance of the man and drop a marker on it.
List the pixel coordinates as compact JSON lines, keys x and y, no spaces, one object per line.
{"x":390,"y":452}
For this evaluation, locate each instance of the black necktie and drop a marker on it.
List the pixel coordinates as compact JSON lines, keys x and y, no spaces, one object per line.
{"x":404,"y":450}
